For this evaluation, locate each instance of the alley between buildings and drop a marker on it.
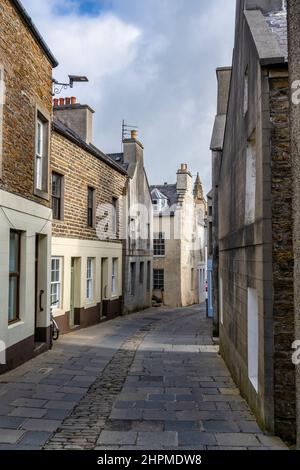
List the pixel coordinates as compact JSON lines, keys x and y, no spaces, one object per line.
{"x":151,"y":380}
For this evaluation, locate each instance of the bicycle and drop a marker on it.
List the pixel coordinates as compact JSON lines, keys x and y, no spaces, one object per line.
{"x":53,"y":325}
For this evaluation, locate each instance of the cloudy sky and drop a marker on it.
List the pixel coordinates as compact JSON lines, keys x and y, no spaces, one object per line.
{"x":150,"y":62}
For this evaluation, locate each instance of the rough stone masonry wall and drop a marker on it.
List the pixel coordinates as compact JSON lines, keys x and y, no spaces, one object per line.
{"x":28,"y":75}
{"x":283,"y":261}
{"x":80,"y":170}
{"x":294,"y":72}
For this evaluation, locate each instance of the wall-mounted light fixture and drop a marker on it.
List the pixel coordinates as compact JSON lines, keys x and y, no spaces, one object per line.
{"x":58,"y":87}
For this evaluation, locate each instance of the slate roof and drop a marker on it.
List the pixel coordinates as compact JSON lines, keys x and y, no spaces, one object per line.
{"x":218,"y":132}
{"x":59,"y":127}
{"x":168,"y":190}
{"x":119,"y":159}
{"x":35,"y":32}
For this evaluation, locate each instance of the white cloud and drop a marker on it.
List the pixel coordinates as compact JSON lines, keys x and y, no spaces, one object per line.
{"x":151,"y":62}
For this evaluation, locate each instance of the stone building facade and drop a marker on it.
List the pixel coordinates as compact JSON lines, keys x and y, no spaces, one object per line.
{"x":88,"y":198}
{"x":179,"y":239}
{"x":25,"y":212}
{"x":256,"y":258}
{"x":138,"y":229}
{"x":294,"y":72}
{"x":216,"y":146}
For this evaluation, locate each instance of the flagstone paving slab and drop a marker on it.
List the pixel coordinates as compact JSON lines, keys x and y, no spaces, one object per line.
{"x":149,"y":381}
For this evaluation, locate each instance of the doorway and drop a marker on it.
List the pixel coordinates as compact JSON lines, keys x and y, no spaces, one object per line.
{"x":75,"y":293}
{"x":40,"y":289}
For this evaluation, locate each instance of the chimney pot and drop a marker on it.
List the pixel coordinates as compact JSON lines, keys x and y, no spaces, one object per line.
{"x":184,"y":167}
{"x":61,"y":101}
{"x":55,"y":102}
{"x":68,"y":100}
{"x":134,"y":134}
{"x":73,"y":100}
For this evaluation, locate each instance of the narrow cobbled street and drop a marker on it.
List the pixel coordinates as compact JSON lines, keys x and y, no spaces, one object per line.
{"x":152,"y":380}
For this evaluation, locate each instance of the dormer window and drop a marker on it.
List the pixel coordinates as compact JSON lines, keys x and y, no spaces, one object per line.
{"x":160,"y":204}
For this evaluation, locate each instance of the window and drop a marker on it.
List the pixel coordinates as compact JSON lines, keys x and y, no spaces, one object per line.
{"x":148,"y":276}
{"x":148,"y":236}
{"x":41,"y":154}
{"x":132,"y":278}
{"x":253,"y":351}
{"x":114,"y":276}
{"x":159,"y":204}
{"x":55,"y":282}
{"x":192,"y":278}
{"x":159,"y":244}
{"x":210,"y":211}
{"x":114,"y":216}
{"x":141,"y":276}
{"x":57,"y":187}
{"x":14,"y":276}
{"x":250,"y":182}
{"x":91,"y":207}
{"x":90,"y":279}
{"x":158,"y":279}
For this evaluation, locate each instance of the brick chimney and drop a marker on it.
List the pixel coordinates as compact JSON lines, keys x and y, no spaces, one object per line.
{"x":184,"y":179}
{"x":75,"y":116}
{"x":133,"y":149}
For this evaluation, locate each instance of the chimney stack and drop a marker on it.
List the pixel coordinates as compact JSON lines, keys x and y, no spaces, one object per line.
{"x":184,"y":178}
{"x":133,"y":149}
{"x":75,"y":116}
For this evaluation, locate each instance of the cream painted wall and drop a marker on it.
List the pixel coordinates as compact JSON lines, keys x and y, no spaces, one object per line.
{"x":30,"y":218}
{"x":67,"y":248}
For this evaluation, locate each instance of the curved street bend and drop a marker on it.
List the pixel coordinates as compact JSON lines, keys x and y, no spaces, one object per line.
{"x":151,"y":380}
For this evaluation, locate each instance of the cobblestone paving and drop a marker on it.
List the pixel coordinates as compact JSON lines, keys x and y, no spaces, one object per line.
{"x":152,"y":380}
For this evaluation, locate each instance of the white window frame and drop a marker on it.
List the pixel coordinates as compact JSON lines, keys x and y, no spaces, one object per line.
{"x":57,"y":283}
{"x":114,"y":276}
{"x":221,"y":306}
{"x":90,"y":262}
{"x":39,"y":154}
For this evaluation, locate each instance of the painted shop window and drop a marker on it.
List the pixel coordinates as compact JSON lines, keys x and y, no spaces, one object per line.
{"x":55,"y":292}
{"x":141,"y":276}
{"x":114,"y":276}
{"x":41,"y":155}
{"x":158,"y":279}
{"x":250,"y":198}
{"x":14,"y":276}
{"x":91,"y":207}
{"x":57,"y":196}
{"x":253,"y":350}
{"x":159,"y":244}
{"x":148,"y":276}
{"x":90,"y":279}
{"x":132,"y":278}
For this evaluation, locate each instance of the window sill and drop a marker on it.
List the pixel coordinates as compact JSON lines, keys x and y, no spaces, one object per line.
{"x":15,"y":324}
{"x":159,"y":256}
{"x":90,"y":303}
{"x":41,"y":194}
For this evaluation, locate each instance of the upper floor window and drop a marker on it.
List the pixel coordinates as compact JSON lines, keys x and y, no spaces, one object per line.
{"x":41,"y":155}
{"x":57,"y":196}
{"x":91,"y":207}
{"x":14,"y":276}
{"x":114,"y":215}
{"x":159,"y":204}
{"x":250,"y":196}
{"x":159,"y":245}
